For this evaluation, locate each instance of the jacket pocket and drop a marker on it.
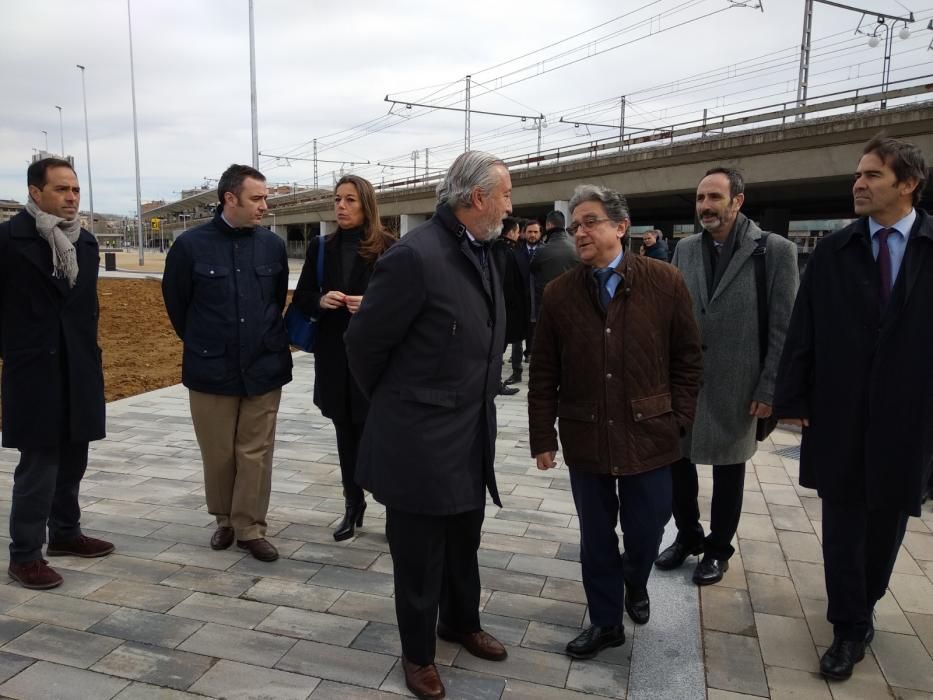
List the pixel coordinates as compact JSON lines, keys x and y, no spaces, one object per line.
{"x":432,"y":397}
{"x":268,"y":276}
{"x":275,"y":341}
{"x":578,"y":427}
{"x":211,"y":272}
{"x":651,"y":407}
{"x":211,"y":284}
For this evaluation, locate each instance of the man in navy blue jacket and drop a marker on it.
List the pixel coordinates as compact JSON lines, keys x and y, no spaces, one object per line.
{"x":224,"y":288}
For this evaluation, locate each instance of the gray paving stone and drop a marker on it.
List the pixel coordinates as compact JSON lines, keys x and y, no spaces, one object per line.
{"x":596,"y":678}
{"x":544,"y":566}
{"x":225,"y":611}
{"x":193,"y":578}
{"x":144,"y":691}
{"x":146,"y":627}
{"x":727,"y":610}
{"x":12,"y":596}
{"x":62,"y":646}
{"x":131,"y":546}
{"x":337,"y":663}
{"x":134,"y":594}
{"x":329,"y":690}
{"x":354,"y":580}
{"x":11,"y":664}
{"x":139,"y":662}
{"x":554,"y":639}
{"x":292,"y":594}
{"x":532,"y":608}
{"x":904,"y":661}
{"x":335,"y":554}
{"x":523,"y":664}
{"x":204,"y":557}
{"x":775,"y":595}
{"x":121,"y":524}
{"x":459,"y":683}
{"x":492,"y":559}
{"x":182,"y":516}
{"x":508,"y":630}
{"x":511,"y":581}
{"x":521,"y":690}
{"x":365,"y":606}
{"x":78,"y":584}
{"x":764,"y":557}
{"x":11,"y":628}
{"x":519,"y":545}
{"x":47,"y":681}
{"x":733,"y":662}
{"x":236,"y":681}
{"x":569,"y":552}
{"x":282,"y":568}
{"x":62,"y":611}
{"x":134,"y":569}
{"x":315,"y":626}
{"x":790,"y":518}
{"x":235,"y":644}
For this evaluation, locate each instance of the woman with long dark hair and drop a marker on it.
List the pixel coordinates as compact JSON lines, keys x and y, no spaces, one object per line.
{"x":349,"y":255}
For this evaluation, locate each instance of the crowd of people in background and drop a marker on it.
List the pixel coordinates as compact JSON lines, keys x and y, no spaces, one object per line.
{"x":641,"y":367}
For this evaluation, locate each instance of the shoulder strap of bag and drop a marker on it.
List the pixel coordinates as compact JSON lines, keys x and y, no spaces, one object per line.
{"x":320,"y":262}
{"x":761,"y":284}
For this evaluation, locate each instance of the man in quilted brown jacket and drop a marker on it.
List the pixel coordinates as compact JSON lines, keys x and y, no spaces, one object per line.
{"x":617,"y":364}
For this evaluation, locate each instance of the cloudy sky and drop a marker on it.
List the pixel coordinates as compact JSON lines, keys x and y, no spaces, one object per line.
{"x":323,"y":69}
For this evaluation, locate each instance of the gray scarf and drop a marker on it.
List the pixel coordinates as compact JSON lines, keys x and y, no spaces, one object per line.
{"x":61,"y":235}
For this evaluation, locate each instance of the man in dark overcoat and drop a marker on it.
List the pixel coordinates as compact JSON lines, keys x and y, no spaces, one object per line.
{"x":617,"y":364}
{"x":504,"y":250}
{"x":53,"y":383}
{"x":856,"y":375}
{"x":426,"y":348}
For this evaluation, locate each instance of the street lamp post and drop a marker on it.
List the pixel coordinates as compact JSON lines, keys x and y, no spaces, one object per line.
{"x":46,"y":140}
{"x":61,"y":129}
{"x":139,"y":196}
{"x":252,"y":87}
{"x":87,"y":144}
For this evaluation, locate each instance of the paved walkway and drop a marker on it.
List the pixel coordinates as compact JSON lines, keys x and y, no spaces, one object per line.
{"x":167,"y":618}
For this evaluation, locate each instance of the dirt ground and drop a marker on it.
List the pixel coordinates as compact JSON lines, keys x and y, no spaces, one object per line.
{"x":141,"y":351}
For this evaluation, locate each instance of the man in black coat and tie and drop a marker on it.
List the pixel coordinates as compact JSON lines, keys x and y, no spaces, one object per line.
{"x":426,"y":348}
{"x":53,"y":383}
{"x":856,"y":375}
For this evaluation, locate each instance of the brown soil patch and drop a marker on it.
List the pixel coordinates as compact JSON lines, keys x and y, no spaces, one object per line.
{"x":141,"y":350}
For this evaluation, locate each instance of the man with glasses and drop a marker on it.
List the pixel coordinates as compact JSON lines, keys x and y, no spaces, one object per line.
{"x":719,"y":268}
{"x":617,"y":364}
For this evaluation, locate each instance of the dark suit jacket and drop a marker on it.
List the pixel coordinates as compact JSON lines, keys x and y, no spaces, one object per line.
{"x":523,"y":258}
{"x":551,"y":260}
{"x":53,"y":383}
{"x":861,"y":374}
{"x":335,"y":391}
{"x":426,"y":347}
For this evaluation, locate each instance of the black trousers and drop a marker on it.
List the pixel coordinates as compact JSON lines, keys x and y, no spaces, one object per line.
{"x":436,"y":569}
{"x":348,"y":449}
{"x":728,"y":486}
{"x":643,"y":503}
{"x":859,"y":549}
{"x":516,"y":358}
{"x":45,"y":494}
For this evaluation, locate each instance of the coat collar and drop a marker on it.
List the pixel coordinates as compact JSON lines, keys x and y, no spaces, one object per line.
{"x":32,"y":247}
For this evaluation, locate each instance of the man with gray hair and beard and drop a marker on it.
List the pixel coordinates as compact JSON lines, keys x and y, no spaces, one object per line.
{"x":426,"y":349}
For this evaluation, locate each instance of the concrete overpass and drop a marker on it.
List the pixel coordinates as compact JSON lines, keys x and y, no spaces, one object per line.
{"x":797,"y":170}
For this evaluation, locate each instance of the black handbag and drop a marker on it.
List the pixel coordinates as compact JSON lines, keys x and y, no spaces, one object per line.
{"x":302,"y":329}
{"x":767,"y":425}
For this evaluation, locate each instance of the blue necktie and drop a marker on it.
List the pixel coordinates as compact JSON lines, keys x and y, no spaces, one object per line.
{"x":884,"y":264}
{"x":602,"y":277}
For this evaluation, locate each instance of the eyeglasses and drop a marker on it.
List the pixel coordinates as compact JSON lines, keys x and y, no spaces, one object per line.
{"x":587,"y":224}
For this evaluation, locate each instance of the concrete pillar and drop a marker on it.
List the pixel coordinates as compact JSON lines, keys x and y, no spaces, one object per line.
{"x":776,"y":220}
{"x":280,"y":230}
{"x":408,"y":221}
{"x":563,"y":206}
{"x":328,"y":227}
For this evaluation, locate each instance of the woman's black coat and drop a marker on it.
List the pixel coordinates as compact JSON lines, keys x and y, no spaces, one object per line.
{"x":335,"y":391}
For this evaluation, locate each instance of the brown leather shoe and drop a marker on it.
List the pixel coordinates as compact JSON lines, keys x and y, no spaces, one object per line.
{"x":82,"y":546}
{"x":36,"y":574}
{"x":423,"y":681}
{"x":260,"y":548}
{"x":480,"y":644}
{"x":222,"y":538}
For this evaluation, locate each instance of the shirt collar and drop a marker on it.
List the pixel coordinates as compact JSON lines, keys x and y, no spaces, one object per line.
{"x":903,"y":227}
{"x":615,"y":263}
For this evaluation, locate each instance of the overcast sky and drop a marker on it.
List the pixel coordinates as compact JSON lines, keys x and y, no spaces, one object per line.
{"x":323,"y":67}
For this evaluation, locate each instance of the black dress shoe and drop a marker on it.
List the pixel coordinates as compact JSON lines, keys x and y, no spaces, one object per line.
{"x":839,"y":660}
{"x":506,"y":390}
{"x":352,"y":519}
{"x":710,"y":571}
{"x":594,"y":639}
{"x":637,"y":605}
{"x":513,"y":378}
{"x":675,"y":555}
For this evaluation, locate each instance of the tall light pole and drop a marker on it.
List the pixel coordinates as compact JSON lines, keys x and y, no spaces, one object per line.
{"x":139,"y":196}
{"x":61,"y":129}
{"x":252,"y":86}
{"x":87,"y":144}
{"x":46,"y":140}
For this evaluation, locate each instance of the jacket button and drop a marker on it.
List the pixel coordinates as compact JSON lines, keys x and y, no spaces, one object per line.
{"x":608,"y":331}
{"x":52,"y":352}
{"x":204,"y":352}
{"x":212,"y":272}
{"x":608,"y":375}
{"x":242,"y":320}
{"x":638,"y":416}
{"x":611,"y":422}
